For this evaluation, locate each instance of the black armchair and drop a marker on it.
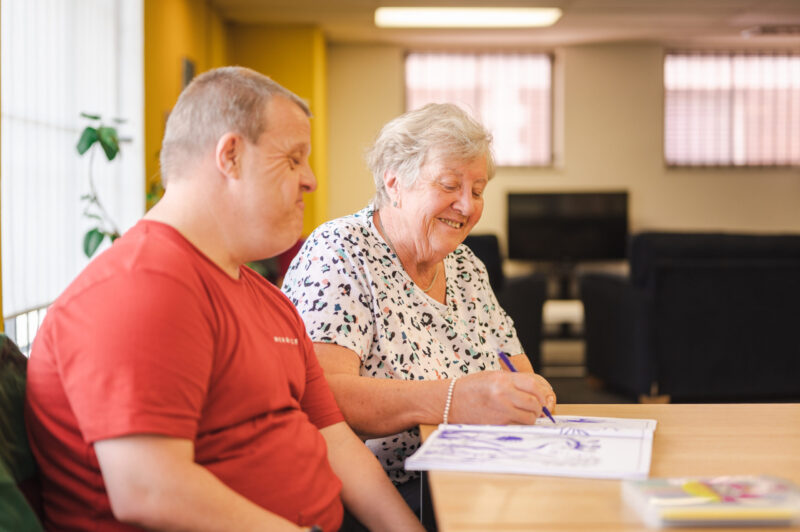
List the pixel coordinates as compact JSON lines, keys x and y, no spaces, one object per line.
{"x":521,"y":297}
{"x":702,"y":317}
{"x":18,"y":473}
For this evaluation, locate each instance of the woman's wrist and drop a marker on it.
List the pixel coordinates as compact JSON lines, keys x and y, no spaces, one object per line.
{"x":449,"y":401}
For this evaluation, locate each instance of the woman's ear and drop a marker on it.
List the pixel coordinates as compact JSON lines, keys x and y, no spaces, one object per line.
{"x":228,"y":155}
{"x":392,"y":185}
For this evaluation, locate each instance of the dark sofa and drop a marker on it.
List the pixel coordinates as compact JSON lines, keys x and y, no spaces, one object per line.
{"x":702,"y":317}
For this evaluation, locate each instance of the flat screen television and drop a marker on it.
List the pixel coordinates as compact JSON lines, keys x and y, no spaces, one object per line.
{"x":568,"y":227}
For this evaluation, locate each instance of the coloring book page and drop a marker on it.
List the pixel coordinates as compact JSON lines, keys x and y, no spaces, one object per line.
{"x":611,"y":448}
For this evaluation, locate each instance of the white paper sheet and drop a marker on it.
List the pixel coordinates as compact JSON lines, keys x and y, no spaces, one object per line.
{"x":574,"y":446}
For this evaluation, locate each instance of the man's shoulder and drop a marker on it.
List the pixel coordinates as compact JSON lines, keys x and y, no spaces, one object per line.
{"x":155,"y":245}
{"x":148,"y":250}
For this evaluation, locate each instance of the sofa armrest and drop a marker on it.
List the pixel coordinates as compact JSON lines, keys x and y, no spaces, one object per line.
{"x":617,"y":333}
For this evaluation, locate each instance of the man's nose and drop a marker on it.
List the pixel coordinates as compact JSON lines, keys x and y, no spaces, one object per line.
{"x":308,"y":182}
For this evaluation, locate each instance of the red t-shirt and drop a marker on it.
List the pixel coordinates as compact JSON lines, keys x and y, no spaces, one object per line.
{"x":154,"y":338}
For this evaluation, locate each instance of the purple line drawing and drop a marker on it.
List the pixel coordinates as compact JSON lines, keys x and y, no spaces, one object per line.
{"x":475,"y":446}
{"x":573,"y":446}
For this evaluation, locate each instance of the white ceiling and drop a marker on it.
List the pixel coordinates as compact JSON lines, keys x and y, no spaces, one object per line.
{"x":702,"y":23}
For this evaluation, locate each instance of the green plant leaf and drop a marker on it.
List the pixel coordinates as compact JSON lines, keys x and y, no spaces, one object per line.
{"x":90,"y":117}
{"x":91,"y":241}
{"x":113,"y":236}
{"x":109,"y":141}
{"x":88,"y":137}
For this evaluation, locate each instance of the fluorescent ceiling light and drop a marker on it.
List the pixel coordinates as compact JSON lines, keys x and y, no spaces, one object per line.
{"x":465,"y":17}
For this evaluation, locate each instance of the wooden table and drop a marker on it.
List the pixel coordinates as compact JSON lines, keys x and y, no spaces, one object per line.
{"x":689,"y":440}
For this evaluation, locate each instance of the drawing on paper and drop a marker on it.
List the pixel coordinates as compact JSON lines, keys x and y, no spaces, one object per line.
{"x":573,"y":446}
{"x":583,"y":426}
{"x":477,"y":446}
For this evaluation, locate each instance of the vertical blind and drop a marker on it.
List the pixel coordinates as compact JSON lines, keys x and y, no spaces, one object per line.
{"x":61,"y":58}
{"x":509,"y":93}
{"x":733,"y":109}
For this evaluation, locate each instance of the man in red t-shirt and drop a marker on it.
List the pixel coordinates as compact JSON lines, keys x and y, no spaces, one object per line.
{"x":171,"y":387}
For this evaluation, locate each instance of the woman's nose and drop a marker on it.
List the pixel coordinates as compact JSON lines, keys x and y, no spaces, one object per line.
{"x":465,"y":204}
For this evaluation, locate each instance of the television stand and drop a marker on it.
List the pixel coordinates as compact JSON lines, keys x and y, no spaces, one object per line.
{"x":562,"y":294}
{"x":564,"y":272}
{"x":563,"y":348}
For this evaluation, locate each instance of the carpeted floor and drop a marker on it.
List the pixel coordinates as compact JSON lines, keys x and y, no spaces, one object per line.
{"x":563,"y":366}
{"x":571,"y":390}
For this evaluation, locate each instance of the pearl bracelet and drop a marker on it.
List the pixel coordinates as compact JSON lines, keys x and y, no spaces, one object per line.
{"x":449,"y":399}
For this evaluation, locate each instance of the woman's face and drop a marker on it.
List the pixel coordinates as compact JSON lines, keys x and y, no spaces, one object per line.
{"x":443,"y":205}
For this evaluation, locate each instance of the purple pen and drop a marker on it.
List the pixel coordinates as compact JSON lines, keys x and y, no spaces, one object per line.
{"x":507,"y":361}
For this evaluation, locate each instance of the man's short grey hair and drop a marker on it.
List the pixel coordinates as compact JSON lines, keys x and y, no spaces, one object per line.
{"x":227,"y":99}
{"x":404,"y":144}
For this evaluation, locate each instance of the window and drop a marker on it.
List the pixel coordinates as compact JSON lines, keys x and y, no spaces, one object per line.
{"x":61,"y":58}
{"x":732,"y":109}
{"x":508,"y":93}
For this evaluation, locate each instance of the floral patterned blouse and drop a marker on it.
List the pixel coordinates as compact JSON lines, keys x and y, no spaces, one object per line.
{"x":351,"y":290}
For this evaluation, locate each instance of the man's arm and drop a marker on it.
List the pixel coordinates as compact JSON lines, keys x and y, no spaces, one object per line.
{"x":381,"y":407}
{"x":367,"y":491}
{"x":153,"y":482}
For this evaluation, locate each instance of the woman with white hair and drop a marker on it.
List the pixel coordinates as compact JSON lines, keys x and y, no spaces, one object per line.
{"x":403,"y":318}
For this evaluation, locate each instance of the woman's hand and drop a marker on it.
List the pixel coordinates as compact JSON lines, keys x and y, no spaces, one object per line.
{"x":500,"y":397}
{"x":550,"y":399}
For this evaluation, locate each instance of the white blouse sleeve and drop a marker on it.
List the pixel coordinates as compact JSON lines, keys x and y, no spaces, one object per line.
{"x":331,"y":292}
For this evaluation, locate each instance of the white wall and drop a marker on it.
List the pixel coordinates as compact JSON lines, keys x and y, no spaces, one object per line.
{"x":609,"y":129}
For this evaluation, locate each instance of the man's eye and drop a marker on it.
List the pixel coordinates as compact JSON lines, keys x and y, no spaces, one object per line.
{"x":477,"y":194}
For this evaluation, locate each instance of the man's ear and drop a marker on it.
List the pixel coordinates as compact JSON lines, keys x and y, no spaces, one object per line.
{"x":228,"y":155}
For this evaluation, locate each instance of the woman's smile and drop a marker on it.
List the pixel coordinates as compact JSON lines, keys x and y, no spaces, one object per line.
{"x":452,"y":223}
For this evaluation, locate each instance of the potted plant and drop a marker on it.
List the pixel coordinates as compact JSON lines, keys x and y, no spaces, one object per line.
{"x":94,"y":135}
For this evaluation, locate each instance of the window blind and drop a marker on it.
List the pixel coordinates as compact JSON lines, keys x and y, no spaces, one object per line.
{"x":509,"y":93}
{"x":732,"y":109}
{"x":61,"y":58}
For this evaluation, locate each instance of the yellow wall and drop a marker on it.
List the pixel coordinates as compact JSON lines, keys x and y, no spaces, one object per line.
{"x":295,"y":57}
{"x":173,"y":30}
